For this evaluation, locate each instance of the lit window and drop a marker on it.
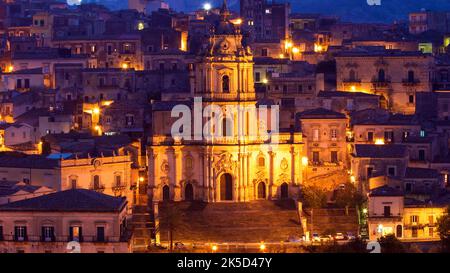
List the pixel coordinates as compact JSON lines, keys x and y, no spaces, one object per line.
{"x":333,"y":134}
{"x":316,"y":135}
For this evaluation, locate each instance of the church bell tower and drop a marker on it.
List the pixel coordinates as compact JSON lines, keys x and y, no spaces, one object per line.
{"x":224,"y":71}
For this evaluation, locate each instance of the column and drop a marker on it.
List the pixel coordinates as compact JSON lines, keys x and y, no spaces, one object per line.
{"x":177,"y":171}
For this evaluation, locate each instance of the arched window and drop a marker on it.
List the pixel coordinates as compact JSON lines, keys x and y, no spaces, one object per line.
{"x":352,"y":75}
{"x":261,"y":161}
{"x":411,"y":76}
{"x":381,"y":75}
{"x":226,"y":84}
{"x":189,"y":163}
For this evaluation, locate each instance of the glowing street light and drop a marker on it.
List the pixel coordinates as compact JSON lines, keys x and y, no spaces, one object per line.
{"x":141,"y":179}
{"x":304,"y":161}
{"x":207,"y":6}
{"x":125,"y":66}
{"x":365,"y":211}
{"x":295,"y":50}
{"x":379,"y":141}
{"x":238,"y":21}
{"x":96,"y":110}
{"x":265,"y":81}
{"x":262,"y":246}
{"x":214,"y":248}
{"x":288,"y":44}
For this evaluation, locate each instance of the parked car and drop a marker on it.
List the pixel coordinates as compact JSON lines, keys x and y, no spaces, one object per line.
{"x":339,"y":236}
{"x":326,"y":238}
{"x":350,"y":236}
{"x":315,"y":237}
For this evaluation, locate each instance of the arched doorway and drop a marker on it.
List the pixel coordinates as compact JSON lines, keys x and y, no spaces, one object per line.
{"x":188,"y":192}
{"x":261,"y":190}
{"x":226,"y":187}
{"x":284,"y":191}
{"x":399,"y":233}
{"x":166,"y":193}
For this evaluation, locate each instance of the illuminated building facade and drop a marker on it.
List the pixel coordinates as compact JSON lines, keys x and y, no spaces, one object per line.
{"x":397,"y":76}
{"x":229,"y":167}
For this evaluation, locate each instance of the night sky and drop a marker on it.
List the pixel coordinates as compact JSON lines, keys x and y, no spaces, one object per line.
{"x":349,"y":10}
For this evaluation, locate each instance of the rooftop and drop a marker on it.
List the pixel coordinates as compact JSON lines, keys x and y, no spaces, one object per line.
{"x":421,"y":173}
{"x":380,"y":151}
{"x":385,"y":191}
{"x":78,"y":200}
{"x":320,"y":113}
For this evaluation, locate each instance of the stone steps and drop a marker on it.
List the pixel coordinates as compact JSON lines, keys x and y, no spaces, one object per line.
{"x":251,"y":222}
{"x":142,"y":225}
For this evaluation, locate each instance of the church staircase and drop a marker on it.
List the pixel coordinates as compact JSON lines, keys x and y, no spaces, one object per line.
{"x":252,"y":222}
{"x":142,"y":228}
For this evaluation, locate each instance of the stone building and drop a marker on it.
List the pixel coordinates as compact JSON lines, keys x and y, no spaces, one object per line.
{"x":397,"y":76}
{"x":230,"y":162}
{"x":70,"y":221}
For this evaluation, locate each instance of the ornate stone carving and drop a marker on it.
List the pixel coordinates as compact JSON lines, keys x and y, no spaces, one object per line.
{"x":165,"y":167}
{"x":225,"y":163}
{"x":164,"y":180}
{"x":284,"y":164}
{"x":282,"y":178}
{"x":261,"y":175}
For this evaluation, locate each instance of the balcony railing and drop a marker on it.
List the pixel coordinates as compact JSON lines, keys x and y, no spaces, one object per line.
{"x":408,"y":82}
{"x":376,"y":83}
{"x":56,"y":239}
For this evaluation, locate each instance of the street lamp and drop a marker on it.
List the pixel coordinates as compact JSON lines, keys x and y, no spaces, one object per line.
{"x":207,"y":6}
{"x":305,"y":161}
{"x":262,"y":247}
{"x":214,"y":248}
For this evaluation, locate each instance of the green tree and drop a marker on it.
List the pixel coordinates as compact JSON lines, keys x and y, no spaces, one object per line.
{"x":444,"y":230}
{"x":349,"y":196}
{"x":171,"y":220}
{"x":313,"y":197}
{"x":390,"y":244}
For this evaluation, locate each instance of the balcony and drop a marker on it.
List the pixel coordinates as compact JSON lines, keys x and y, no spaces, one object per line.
{"x":48,"y":239}
{"x":64,"y":239}
{"x":376,"y":83}
{"x":410,"y":82}
{"x":99,"y":189}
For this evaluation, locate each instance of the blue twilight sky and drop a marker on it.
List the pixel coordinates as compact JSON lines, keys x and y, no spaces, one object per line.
{"x":348,"y":10}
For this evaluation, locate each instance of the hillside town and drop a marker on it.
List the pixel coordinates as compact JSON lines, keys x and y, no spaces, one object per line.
{"x":149,"y":129}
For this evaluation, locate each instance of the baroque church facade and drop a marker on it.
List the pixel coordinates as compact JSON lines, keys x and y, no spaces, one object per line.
{"x":233,"y":165}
